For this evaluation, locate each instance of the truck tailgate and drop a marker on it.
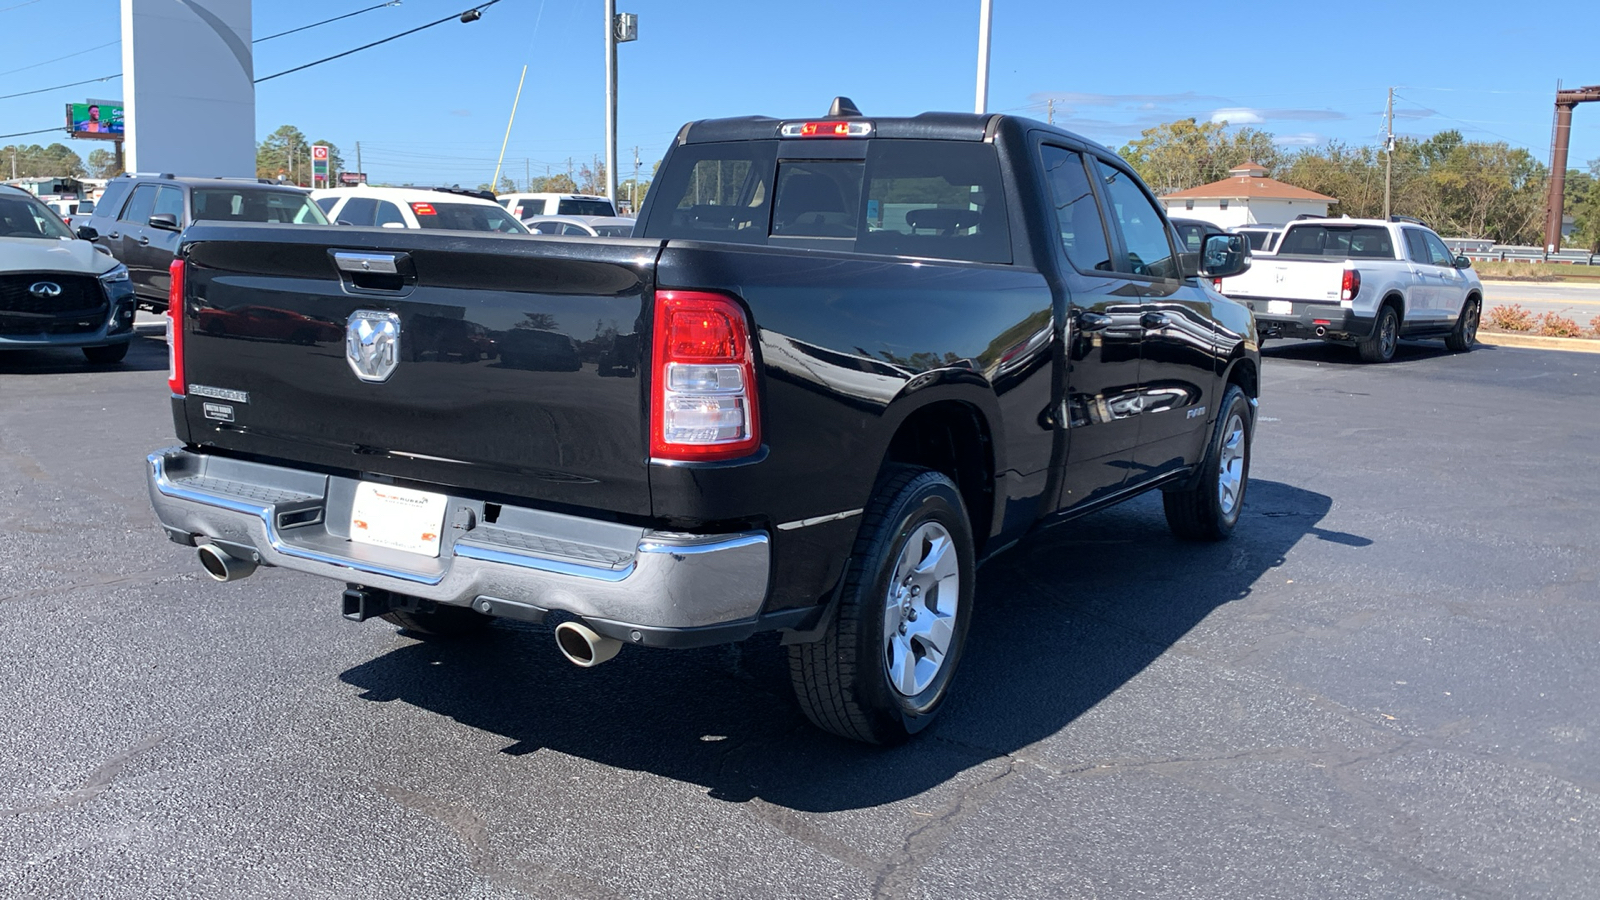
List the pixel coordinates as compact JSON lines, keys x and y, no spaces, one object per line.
{"x":516,"y":371}
{"x":1306,"y":279}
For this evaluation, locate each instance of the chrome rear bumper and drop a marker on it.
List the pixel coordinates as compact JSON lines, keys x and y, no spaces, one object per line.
{"x":645,"y":586}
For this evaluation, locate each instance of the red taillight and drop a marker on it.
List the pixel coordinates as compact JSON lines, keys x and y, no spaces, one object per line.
{"x":424,"y":209}
{"x":1351,"y":285}
{"x":703,"y":395}
{"x":1216,"y":283}
{"x":175,"y":328}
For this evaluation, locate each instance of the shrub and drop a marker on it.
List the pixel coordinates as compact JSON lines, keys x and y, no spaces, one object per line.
{"x":1594,"y":326}
{"x":1552,"y":325}
{"x":1510,"y":318}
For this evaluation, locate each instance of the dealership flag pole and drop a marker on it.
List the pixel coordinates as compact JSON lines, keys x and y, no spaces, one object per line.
{"x":494,"y":186}
{"x":984,"y":10}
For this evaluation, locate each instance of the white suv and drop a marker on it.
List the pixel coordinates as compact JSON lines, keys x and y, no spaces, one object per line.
{"x":415,"y":208}
{"x":526,"y":206}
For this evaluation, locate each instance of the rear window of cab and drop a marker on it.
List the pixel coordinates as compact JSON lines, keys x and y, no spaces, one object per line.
{"x":933,"y":199}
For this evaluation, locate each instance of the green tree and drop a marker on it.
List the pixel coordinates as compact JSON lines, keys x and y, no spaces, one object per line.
{"x":287,"y":153}
{"x":1583,"y":204}
{"x":103,"y":164}
{"x":34,"y":161}
{"x":1179,"y":155}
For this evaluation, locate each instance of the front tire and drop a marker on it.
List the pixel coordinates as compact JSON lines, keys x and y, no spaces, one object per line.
{"x":1209,"y":508}
{"x":1385,"y":338}
{"x":106,"y":356}
{"x":1465,"y":334}
{"x":883,"y":668}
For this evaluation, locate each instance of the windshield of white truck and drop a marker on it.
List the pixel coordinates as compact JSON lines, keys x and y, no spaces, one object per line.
{"x":1338,"y":241}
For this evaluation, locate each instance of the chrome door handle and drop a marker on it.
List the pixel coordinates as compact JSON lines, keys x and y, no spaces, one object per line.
{"x":1153,"y":320}
{"x":144,"y":241}
{"x":113,"y":235}
{"x":1092,"y":321}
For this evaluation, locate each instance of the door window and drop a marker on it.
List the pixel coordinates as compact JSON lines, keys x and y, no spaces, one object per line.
{"x":141,"y":204}
{"x":359,"y":211}
{"x":115,"y":193}
{"x":1144,"y":234}
{"x":388,"y":213}
{"x":169,"y":201}
{"x":1078,"y":220}
{"x":1439,"y":253}
{"x":1416,"y":246}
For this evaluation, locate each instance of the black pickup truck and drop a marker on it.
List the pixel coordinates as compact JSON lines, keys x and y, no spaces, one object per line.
{"x":844,"y":361}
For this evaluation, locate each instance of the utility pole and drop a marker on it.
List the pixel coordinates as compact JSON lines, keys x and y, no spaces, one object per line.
{"x":633,"y":191}
{"x":984,"y":11}
{"x":527,"y":174}
{"x":358,"y":163}
{"x":1388,"y":152}
{"x":1050,"y":105}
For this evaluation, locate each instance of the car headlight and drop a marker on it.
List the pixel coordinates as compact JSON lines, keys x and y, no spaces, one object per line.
{"x":115,"y":275}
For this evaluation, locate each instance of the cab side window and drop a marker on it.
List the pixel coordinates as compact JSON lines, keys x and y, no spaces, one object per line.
{"x":1145,"y":238}
{"x":169,"y":201}
{"x":140,"y":205}
{"x":1438,"y":252}
{"x":388,"y":213}
{"x":1416,"y":247}
{"x":1078,"y":220}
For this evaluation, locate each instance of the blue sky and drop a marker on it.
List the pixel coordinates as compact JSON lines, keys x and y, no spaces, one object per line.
{"x":433,"y":106}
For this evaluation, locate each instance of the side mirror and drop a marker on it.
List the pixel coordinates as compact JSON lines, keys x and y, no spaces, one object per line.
{"x":1463,"y":263}
{"x":1224,"y":255}
{"x":87,"y":233}
{"x":164,"y":221}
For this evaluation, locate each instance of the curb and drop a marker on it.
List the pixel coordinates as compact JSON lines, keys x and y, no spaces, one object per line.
{"x":1571,"y":345}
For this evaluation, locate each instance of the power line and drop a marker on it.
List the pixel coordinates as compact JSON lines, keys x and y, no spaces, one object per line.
{"x":326,"y":21}
{"x":467,"y":15}
{"x":60,"y":58}
{"x":18,"y":6}
{"x":26,"y":133}
{"x":59,"y":87}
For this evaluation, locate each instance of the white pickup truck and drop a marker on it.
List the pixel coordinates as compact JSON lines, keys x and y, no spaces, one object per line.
{"x":1364,"y":282}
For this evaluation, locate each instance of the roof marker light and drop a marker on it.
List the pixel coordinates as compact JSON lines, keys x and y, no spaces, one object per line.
{"x":826,"y":130}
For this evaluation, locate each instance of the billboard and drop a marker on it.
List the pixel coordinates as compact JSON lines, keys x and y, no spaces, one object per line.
{"x":95,"y":119}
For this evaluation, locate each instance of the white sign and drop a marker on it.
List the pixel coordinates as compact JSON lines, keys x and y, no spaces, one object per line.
{"x":397,"y":518}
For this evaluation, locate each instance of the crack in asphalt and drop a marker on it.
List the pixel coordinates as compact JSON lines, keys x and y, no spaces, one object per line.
{"x":93,"y":786}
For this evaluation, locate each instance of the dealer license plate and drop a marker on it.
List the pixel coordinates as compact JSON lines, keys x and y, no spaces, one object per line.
{"x":1280,"y":308}
{"x":398,"y":518}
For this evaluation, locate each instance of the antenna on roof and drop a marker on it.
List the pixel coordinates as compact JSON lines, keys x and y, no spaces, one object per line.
{"x":842,"y":107}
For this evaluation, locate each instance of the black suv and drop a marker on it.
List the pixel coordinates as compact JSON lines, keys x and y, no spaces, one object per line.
{"x":140,"y":217}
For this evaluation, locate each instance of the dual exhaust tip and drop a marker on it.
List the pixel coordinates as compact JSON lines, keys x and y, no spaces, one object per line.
{"x":580,"y":644}
{"x":224,"y":566}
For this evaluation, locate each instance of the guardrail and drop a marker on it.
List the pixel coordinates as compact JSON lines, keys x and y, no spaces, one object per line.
{"x":1485,"y":251}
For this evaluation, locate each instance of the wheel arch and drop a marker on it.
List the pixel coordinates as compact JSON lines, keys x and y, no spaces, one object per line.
{"x":954,"y":435}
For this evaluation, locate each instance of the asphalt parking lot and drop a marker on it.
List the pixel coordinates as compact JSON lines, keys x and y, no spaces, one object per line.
{"x":1384,"y":686}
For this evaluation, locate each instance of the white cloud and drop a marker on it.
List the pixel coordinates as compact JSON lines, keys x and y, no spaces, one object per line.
{"x":1303,"y":139}
{"x":1237,"y":115}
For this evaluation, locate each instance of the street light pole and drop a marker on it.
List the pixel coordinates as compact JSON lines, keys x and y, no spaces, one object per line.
{"x":611,"y":102}
{"x":983,"y":57}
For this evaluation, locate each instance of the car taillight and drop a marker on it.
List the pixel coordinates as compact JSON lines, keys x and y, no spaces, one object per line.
{"x":1216,"y":283}
{"x":175,"y":328}
{"x":703,"y":396}
{"x":1351,"y":285}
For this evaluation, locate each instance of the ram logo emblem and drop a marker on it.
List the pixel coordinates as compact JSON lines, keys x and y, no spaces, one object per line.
{"x":372,"y":344}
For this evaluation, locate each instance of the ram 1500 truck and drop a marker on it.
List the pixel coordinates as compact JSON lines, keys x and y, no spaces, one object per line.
{"x":846,"y":360}
{"x":1364,"y":282}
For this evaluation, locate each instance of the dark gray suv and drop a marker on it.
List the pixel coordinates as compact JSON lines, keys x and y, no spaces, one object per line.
{"x":140,"y":217}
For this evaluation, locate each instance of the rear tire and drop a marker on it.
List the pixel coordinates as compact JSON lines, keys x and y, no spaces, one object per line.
{"x":441,"y":621}
{"x":1465,"y":334}
{"x":884,"y":665}
{"x":1385,"y":337}
{"x":105,"y":356}
{"x":1209,"y":508}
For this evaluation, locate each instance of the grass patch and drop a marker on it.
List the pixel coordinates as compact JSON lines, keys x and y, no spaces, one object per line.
{"x":1549,"y":272}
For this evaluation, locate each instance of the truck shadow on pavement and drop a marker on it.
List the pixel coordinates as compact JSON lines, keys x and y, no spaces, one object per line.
{"x":1341,"y":354}
{"x":1062,"y":620}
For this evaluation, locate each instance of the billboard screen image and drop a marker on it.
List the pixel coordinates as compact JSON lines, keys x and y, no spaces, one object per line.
{"x":95,"y":120}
